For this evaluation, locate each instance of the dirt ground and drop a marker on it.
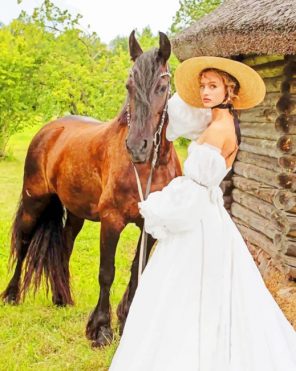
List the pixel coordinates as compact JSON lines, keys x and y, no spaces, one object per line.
{"x":284,"y":292}
{"x":282,"y":288}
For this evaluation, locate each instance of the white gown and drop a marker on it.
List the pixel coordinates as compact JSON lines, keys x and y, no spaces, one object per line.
{"x":201,"y":303}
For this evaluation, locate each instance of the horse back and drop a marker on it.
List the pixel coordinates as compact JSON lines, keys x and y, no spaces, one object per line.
{"x":69,"y":157}
{"x":85,"y":162}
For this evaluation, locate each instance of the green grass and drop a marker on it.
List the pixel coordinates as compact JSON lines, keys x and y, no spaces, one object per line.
{"x":35,"y":334}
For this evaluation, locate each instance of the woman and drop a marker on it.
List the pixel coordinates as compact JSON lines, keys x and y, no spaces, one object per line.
{"x":201,"y":303}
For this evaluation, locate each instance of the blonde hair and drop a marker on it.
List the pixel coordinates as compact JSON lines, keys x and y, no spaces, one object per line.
{"x":230,"y":82}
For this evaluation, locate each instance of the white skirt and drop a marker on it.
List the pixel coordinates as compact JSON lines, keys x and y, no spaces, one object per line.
{"x":202,"y":305}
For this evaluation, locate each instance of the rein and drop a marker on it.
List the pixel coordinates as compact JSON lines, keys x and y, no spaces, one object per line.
{"x":156,"y":143}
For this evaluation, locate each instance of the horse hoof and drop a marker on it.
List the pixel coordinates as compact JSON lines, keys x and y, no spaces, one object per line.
{"x":61,"y":301}
{"x":103,"y":338}
{"x":59,"y":304}
{"x":10,"y":297}
{"x":11,"y":300}
{"x":98,"y":330}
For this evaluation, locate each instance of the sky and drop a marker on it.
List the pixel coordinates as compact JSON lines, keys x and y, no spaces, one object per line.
{"x":108,"y":18}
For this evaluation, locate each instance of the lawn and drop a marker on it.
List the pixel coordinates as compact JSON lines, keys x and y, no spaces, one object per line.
{"x":38,"y":336}
{"x":35,"y":334}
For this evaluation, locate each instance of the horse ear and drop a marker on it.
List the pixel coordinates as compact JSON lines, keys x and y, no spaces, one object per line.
{"x":134,"y":47}
{"x":164,"y":50}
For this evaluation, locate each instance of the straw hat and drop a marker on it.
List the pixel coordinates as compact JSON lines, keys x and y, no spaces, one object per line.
{"x":252,"y":88}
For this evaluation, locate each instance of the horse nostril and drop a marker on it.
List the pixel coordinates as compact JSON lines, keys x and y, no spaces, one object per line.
{"x":145,"y":144}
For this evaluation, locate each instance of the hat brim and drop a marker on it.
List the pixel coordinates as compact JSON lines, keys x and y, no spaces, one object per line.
{"x":252,"y":88}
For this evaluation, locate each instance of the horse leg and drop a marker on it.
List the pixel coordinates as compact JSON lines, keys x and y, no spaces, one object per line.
{"x":23,"y":227}
{"x":98,"y":327}
{"x":123,"y":307}
{"x":72,"y":228}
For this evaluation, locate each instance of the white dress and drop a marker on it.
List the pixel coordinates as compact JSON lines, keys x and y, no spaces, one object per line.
{"x":201,"y":303}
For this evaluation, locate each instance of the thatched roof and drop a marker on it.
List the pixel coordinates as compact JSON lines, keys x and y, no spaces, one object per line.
{"x":241,"y":27}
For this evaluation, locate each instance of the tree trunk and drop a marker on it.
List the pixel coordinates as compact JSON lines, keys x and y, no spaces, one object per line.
{"x":288,"y":163}
{"x":259,"y":130}
{"x":271,"y":69}
{"x":284,"y":200}
{"x":256,"y":173}
{"x":262,"y":59}
{"x":287,"y":104}
{"x":260,"y":147}
{"x":258,"y":189}
{"x":287,"y":144}
{"x":256,"y":238}
{"x":256,"y":222}
{"x":286,"y":124}
{"x":259,"y":114}
{"x":287,"y":181}
{"x":266,"y":162}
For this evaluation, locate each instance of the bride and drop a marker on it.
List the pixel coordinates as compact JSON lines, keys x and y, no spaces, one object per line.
{"x":201,"y":303}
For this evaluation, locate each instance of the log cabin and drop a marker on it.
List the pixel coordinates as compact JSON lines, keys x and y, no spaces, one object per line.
{"x":260,"y":192}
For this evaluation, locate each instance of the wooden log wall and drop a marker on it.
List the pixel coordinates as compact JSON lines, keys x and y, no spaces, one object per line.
{"x":261,"y":191}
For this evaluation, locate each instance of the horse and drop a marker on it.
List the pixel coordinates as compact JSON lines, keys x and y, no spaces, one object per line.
{"x":78,"y":168}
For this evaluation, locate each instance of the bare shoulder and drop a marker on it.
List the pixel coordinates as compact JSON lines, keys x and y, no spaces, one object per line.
{"x":221,"y":125}
{"x":215,"y":127}
{"x":215,"y":134}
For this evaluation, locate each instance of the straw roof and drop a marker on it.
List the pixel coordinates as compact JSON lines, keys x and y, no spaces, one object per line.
{"x":241,"y":27}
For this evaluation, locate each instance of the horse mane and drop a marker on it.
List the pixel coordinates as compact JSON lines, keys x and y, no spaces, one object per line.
{"x":122,"y":116}
{"x":145,"y":73}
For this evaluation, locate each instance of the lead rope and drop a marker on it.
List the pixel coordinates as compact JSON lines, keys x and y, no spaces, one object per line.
{"x":156,"y":142}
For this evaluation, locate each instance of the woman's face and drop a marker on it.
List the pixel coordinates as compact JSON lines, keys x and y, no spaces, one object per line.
{"x":212,"y":89}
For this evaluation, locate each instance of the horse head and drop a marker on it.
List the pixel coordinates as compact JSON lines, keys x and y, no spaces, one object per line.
{"x":148,"y":88}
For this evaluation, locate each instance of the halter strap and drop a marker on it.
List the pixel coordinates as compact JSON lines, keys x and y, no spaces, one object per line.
{"x":156,"y":142}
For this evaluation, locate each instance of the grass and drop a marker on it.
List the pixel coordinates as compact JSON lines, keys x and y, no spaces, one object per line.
{"x":35,"y":334}
{"x":38,"y":336}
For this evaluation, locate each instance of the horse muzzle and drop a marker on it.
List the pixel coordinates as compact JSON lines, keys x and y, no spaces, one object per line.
{"x":140,"y":152}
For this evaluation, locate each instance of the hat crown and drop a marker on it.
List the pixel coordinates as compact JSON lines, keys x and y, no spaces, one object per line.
{"x":251,"y":86}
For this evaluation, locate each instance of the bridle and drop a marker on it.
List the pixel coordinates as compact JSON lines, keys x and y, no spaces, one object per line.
{"x":156,"y":144}
{"x":157,"y":134}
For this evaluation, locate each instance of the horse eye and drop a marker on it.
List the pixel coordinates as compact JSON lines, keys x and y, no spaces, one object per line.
{"x":129,"y":88}
{"x":161,"y":90}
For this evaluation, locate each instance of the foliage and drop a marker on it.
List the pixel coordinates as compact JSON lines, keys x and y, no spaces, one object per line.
{"x":49,"y":67}
{"x":190,"y":11}
{"x":17,"y":70}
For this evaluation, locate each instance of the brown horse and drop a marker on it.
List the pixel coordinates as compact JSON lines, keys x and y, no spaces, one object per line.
{"x":78,"y":168}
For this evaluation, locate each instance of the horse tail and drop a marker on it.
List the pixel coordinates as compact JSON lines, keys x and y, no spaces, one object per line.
{"x":17,"y":253}
{"x":16,"y":235}
{"x":47,"y":254}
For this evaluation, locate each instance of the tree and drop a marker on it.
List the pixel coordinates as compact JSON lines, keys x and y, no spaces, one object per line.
{"x":49,"y":67}
{"x":18,"y":66}
{"x":190,"y":11}
{"x":46,"y":65}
